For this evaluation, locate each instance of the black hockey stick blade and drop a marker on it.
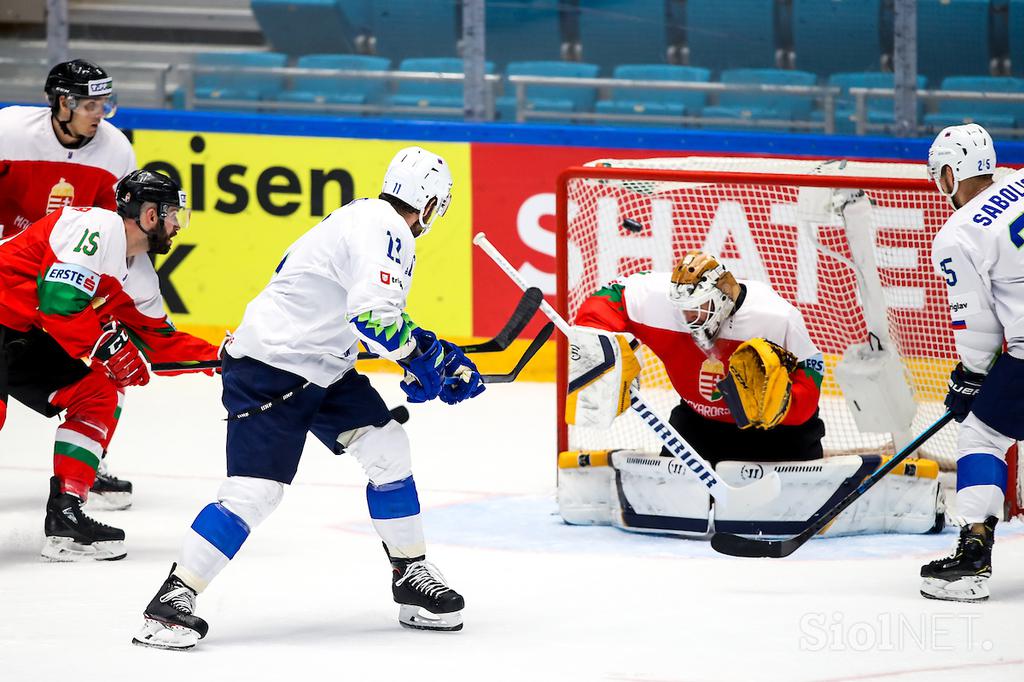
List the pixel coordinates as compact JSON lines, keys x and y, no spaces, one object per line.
{"x":528,"y":304}
{"x":517,"y":321}
{"x":535,"y":345}
{"x":737,"y":545}
{"x":188,"y":366}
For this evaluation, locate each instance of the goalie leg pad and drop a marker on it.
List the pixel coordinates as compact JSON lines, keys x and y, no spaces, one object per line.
{"x":657,"y":495}
{"x":905,"y":501}
{"x":586,"y":487}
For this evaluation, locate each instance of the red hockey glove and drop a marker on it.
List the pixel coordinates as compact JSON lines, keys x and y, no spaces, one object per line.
{"x":120,"y":357}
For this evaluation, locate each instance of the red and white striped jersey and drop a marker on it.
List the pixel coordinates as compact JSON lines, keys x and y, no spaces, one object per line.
{"x":39,"y":175}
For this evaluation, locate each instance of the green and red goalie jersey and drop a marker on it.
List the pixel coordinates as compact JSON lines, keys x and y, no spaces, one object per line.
{"x":639,"y":305}
{"x":68,"y":273}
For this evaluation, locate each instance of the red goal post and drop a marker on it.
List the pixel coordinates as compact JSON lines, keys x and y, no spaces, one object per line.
{"x":771,"y":226}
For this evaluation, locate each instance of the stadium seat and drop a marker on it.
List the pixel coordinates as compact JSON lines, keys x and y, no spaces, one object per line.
{"x":818,"y":25}
{"x":733,"y":34}
{"x":238,"y":86}
{"x":988,"y":114}
{"x":554,"y":98}
{"x":519,"y":30}
{"x":952,"y":38}
{"x":429,"y":95}
{"x":755,"y":105}
{"x":1016,"y":35}
{"x":299,"y":27}
{"x":406,"y":29}
{"x":614,"y":32}
{"x":879,"y":109}
{"x":338,"y":90}
{"x":656,"y":102}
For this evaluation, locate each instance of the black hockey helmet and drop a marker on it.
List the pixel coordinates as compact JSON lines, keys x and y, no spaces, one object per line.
{"x":79,"y":79}
{"x":143,"y":185}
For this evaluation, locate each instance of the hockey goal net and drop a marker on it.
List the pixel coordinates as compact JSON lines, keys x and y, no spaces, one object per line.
{"x":769,"y":220}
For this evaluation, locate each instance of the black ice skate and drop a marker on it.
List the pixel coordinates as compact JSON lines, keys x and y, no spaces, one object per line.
{"x":964,"y":574}
{"x":109,"y":492}
{"x":425,"y":600}
{"x":73,"y":536}
{"x":170,"y":622}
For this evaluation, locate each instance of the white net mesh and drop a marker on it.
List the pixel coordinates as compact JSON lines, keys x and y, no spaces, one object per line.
{"x":787,"y":235}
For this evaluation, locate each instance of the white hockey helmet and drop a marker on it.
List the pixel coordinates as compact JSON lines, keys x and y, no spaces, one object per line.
{"x":416,"y":176}
{"x":966,"y":149}
{"x":704,"y":291}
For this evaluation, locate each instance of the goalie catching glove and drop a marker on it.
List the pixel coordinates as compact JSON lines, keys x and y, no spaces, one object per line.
{"x":758,"y":388}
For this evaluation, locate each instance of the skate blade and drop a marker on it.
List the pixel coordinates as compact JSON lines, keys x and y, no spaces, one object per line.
{"x":66,"y":550}
{"x":969,"y":589}
{"x":157,"y":635}
{"x":108,"y":501}
{"x":420,"y":619}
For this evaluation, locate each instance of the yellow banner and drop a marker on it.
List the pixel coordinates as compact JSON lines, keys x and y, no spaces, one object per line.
{"x":253,"y":195}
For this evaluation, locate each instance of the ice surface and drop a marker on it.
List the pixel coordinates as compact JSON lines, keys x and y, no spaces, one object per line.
{"x":308,"y":596}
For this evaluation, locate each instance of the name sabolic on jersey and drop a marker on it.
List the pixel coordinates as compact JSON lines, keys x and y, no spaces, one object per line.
{"x":980,"y":253}
{"x":639,"y":305}
{"x":38,"y":174}
{"x":67,"y":273}
{"x":346,"y":280}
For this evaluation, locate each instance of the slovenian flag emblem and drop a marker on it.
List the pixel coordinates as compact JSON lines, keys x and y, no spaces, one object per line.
{"x":959,"y":324}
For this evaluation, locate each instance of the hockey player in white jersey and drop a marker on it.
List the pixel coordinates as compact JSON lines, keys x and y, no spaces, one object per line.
{"x":978,"y":253}
{"x":345,"y":281}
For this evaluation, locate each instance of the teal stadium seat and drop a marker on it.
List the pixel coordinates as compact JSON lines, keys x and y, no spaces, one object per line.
{"x":299,"y":27}
{"x":552,"y":98}
{"x":834,"y":36}
{"x":656,"y":102}
{"x":1016,"y":35}
{"x":754,"y":105}
{"x":339,"y":89}
{"x":953,"y":38}
{"x":879,"y":109}
{"x":731,"y":34}
{"x":210,"y":87}
{"x":614,"y":32}
{"x":428,"y":95}
{"x":407,"y":29}
{"x":987,"y":114}
{"x":522,"y":30}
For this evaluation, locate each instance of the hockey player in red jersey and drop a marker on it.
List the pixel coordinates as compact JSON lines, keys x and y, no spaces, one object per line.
{"x":66,"y":154}
{"x":62,"y":300}
{"x":699,"y":320}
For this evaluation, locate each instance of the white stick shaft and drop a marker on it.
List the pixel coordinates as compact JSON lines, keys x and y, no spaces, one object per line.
{"x":753,"y":495}
{"x":481,"y":240}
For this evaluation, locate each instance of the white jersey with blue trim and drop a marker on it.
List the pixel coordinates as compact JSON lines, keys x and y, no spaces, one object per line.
{"x":980,"y":253}
{"x":357,"y":263}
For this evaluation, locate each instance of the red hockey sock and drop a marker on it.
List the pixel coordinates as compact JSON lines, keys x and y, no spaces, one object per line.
{"x":92,"y":407}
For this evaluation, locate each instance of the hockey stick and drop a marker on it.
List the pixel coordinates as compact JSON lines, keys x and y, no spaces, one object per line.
{"x":755,"y":494}
{"x":535,"y":345}
{"x":517,"y":322}
{"x":737,"y":545}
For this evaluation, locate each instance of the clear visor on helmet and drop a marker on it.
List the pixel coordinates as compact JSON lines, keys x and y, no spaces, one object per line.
{"x":90,"y":106}
{"x":176,"y":215}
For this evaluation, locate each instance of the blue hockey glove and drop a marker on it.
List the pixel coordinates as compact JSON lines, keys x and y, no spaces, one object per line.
{"x":424,"y":369}
{"x":461,"y":378}
{"x":963,"y":387}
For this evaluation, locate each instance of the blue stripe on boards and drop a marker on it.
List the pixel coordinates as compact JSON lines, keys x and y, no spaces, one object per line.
{"x":980,"y":468}
{"x":221,"y":528}
{"x":393,"y":500}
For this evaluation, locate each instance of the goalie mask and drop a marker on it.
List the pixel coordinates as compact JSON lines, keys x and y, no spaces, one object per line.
{"x":705,"y":292}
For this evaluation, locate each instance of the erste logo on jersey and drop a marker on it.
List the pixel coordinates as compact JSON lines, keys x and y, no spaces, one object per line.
{"x":711,"y":372}
{"x":77,"y":276}
{"x":390,"y":280}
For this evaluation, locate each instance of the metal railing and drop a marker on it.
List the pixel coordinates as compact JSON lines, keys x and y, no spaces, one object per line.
{"x":861,"y":95}
{"x":158,"y":71}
